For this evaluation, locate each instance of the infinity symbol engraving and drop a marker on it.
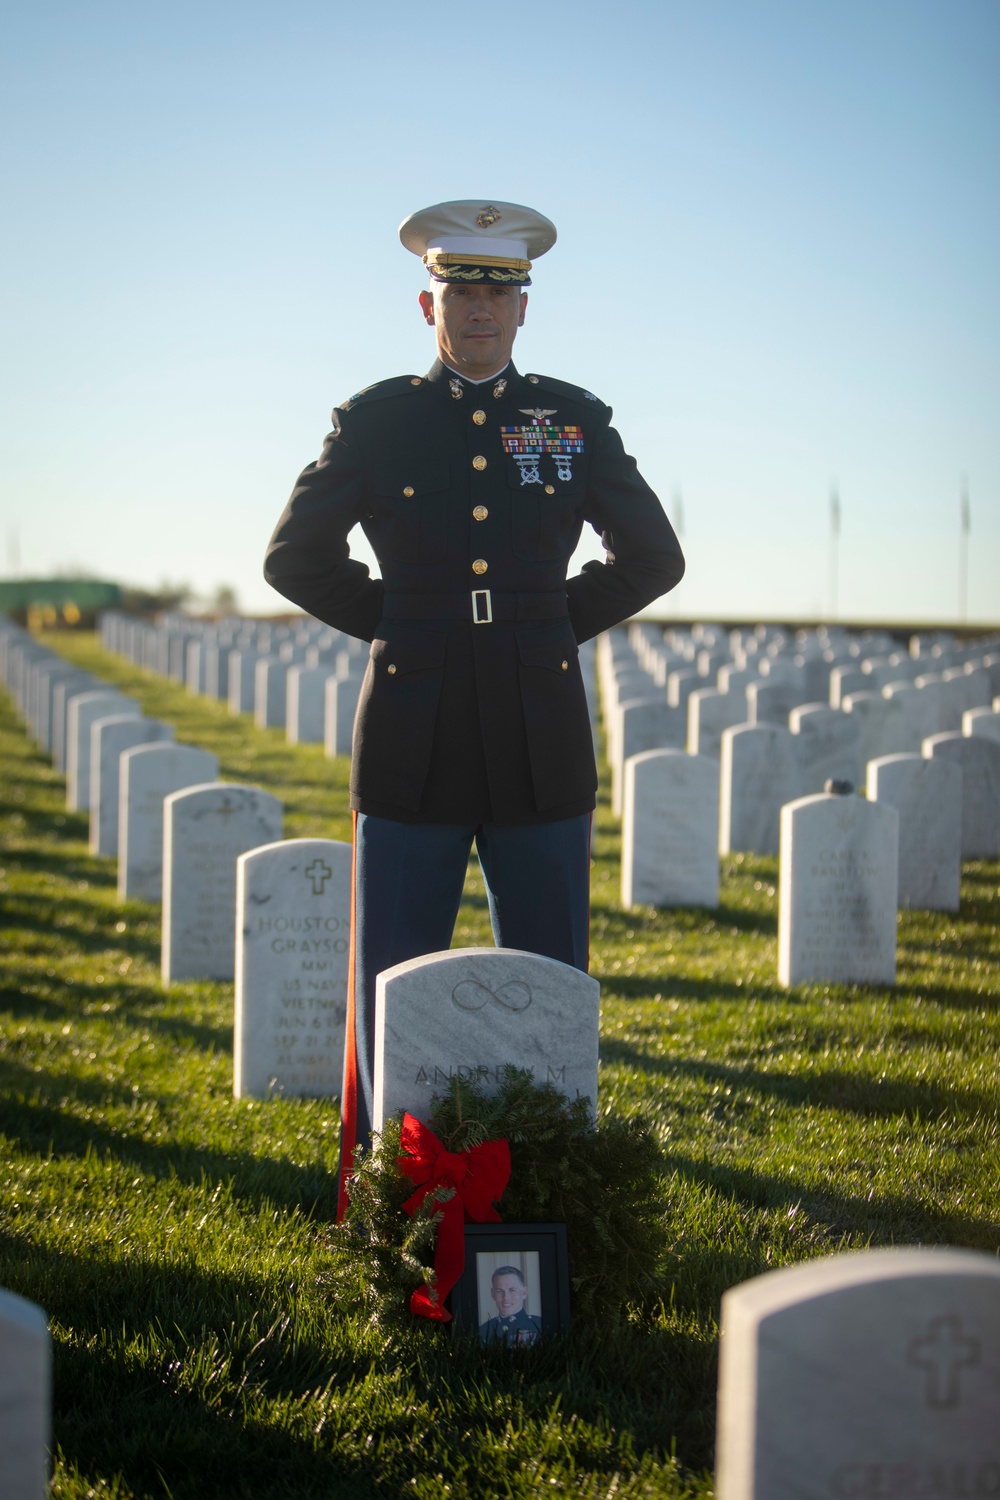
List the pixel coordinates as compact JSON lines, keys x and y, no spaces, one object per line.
{"x":470,"y":995}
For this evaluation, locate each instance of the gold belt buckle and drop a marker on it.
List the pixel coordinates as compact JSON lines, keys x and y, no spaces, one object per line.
{"x":477,"y":618}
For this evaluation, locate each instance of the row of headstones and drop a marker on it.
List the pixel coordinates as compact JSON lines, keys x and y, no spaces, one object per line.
{"x":519,"y":1008}
{"x":872,"y":1375}
{"x":240,"y":902}
{"x":304,"y":678}
{"x":184,"y":838}
{"x":796,"y":686}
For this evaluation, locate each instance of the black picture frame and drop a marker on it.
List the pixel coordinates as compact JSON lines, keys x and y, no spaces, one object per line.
{"x":535,"y":1255}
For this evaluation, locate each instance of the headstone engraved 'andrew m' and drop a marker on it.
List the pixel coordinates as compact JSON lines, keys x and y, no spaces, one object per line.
{"x":869,"y":1376}
{"x":25,"y":1399}
{"x":293,"y":923}
{"x":470,"y":1012}
{"x":205,"y":830}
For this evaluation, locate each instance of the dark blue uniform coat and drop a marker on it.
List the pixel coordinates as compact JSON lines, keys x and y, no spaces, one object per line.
{"x":461,"y":722}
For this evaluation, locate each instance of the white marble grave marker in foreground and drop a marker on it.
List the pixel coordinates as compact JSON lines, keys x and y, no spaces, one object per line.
{"x":927,"y":794}
{"x":205,"y":830}
{"x":25,"y":1399}
{"x":838,"y":878}
{"x":868,"y":1376}
{"x":149,"y":773}
{"x":472,"y":1011}
{"x":293,"y":924}
{"x":670,"y":830}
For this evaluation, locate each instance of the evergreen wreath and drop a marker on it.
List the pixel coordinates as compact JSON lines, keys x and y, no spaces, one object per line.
{"x":603,"y":1181}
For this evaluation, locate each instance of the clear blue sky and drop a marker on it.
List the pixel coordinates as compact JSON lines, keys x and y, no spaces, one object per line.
{"x":778,"y":259}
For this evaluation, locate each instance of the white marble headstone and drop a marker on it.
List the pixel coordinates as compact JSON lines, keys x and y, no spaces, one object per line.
{"x":827,"y":746}
{"x":25,"y":1399}
{"x":641,"y":724}
{"x":342,"y":694}
{"x":866,"y":1376}
{"x":927,"y":794}
{"x":205,"y":830}
{"x":838,"y":879}
{"x":109,"y":739}
{"x":979,"y":759}
{"x":83,"y":711}
{"x":670,"y":830}
{"x":760,"y":773}
{"x":306,"y":705}
{"x":471,"y":1012}
{"x":293,"y":923}
{"x":709,"y":713}
{"x":149,"y":773}
{"x":982,"y":721}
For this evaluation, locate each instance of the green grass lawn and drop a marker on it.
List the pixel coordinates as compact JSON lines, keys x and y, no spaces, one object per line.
{"x":178,"y":1239}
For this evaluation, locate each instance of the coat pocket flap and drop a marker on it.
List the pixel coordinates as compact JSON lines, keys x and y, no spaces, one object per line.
{"x":557,"y":655}
{"x":418,"y":653}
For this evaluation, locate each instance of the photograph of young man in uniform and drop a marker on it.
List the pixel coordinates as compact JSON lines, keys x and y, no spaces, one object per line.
{"x":511,"y":1321}
{"x":472,"y":484}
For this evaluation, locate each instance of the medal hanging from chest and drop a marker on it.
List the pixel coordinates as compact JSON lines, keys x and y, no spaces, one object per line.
{"x":527,"y":444}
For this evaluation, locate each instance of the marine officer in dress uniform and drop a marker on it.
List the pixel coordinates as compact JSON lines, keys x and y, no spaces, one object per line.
{"x":472,"y":484}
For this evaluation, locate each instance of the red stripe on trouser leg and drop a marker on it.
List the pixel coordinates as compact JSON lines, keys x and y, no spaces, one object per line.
{"x":590,"y":858}
{"x":349,"y":1091}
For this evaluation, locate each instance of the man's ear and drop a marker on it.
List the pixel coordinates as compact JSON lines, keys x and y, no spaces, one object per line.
{"x":524,"y":306}
{"x":426,"y":300}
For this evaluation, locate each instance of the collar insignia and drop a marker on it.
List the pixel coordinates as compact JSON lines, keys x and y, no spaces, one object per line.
{"x":499,"y":389}
{"x":457,"y":389}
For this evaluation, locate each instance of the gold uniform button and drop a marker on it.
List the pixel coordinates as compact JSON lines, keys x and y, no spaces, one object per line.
{"x":480,"y":513}
{"x":479,"y":566}
{"x":408,"y":491}
{"x":479,"y":462}
{"x":391,"y":670}
{"x":479,"y":417}
{"x":550,"y":489}
{"x":533,"y":379}
{"x":565,"y":666}
{"x":415,"y":380}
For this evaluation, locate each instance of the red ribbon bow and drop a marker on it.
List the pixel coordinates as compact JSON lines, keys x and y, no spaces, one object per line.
{"x":478,"y":1177}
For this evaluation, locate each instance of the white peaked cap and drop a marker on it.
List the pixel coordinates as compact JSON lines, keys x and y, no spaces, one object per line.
{"x":477,"y":239}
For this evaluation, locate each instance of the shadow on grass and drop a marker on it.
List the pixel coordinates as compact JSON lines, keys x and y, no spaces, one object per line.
{"x":827,"y":1088}
{"x":168,"y":1375}
{"x":884,"y":1218}
{"x":671,"y":986}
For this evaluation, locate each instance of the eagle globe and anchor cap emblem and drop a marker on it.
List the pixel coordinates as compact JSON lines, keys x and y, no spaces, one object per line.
{"x":470,"y":240}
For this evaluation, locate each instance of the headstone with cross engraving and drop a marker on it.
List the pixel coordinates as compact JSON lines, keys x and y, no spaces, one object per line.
{"x":866,"y":1375}
{"x":469,"y":1013}
{"x":293,"y":924}
{"x":25,"y":1400}
{"x":205,"y":830}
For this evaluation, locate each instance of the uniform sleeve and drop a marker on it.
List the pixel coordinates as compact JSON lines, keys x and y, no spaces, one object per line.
{"x":308,"y":559}
{"x":644,"y":555}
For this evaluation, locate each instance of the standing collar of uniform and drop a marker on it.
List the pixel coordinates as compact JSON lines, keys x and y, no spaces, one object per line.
{"x":441,"y":375}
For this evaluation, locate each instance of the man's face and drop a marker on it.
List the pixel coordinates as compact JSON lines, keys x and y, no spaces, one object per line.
{"x":509,"y":1294}
{"x":475,"y":325}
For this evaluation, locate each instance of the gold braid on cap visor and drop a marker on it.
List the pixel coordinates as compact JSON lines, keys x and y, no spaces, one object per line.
{"x":446,"y":266}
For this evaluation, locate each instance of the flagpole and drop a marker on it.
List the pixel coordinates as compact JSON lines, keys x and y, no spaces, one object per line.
{"x":834,"y":548}
{"x":965,"y":526}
